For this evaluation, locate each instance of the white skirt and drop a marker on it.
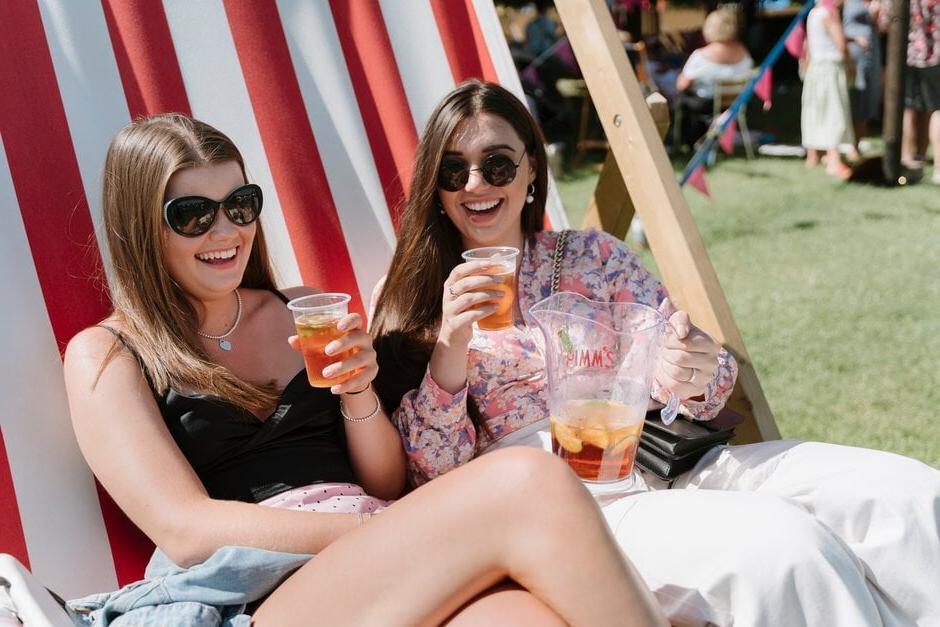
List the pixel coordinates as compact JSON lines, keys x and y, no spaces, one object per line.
{"x":826,"y":117}
{"x":785,"y":533}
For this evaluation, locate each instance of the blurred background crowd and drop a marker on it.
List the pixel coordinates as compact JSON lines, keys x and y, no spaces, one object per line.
{"x":831,"y":90}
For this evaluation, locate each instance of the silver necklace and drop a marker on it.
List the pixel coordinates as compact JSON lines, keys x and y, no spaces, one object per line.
{"x":224,"y":344}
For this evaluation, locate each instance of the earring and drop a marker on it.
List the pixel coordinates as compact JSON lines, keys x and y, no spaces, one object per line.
{"x":531,"y":197}
{"x":440,"y":207}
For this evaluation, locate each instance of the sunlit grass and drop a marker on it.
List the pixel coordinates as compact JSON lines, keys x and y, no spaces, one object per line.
{"x":836,"y":290}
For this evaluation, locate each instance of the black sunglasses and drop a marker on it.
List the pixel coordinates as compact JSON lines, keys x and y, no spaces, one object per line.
{"x":192,"y":216}
{"x":498,"y":170}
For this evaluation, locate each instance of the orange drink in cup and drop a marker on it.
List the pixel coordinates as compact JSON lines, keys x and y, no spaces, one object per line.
{"x":503,"y":268}
{"x":316,"y":318}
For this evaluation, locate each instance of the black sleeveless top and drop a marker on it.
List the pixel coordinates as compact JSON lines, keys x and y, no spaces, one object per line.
{"x":241,"y":458}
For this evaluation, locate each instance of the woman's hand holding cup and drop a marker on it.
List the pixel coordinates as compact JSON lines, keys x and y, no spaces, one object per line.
{"x":355,"y":356}
{"x":338,"y":354}
{"x":470,"y":294}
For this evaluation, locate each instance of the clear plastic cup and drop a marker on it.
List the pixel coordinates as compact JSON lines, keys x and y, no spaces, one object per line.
{"x":316,"y":318}
{"x":503,"y":268}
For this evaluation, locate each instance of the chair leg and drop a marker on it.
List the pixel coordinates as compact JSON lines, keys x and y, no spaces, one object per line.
{"x":745,"y":135}
{"x":583,"y":127}
{"x":677,"y":128}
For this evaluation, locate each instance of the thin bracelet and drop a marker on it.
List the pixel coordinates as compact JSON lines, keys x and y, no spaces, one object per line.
{"x":359,"y":391}
{"x":372,"y":414}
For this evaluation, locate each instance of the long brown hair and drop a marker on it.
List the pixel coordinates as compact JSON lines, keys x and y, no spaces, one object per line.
{"x":429,"y":245}
{"x":155,"y":317}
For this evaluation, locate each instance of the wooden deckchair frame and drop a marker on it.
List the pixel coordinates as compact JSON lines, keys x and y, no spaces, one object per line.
{"x":639,"y":176}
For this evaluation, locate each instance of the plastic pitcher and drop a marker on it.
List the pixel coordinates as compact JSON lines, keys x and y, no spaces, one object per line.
{"x":601,"y":359}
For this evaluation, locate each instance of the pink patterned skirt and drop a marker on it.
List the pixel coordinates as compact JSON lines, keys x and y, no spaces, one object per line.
{"x":338,"y":498}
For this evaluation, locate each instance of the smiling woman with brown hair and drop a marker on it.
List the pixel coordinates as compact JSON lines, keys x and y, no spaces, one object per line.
{"x":715,"y":545}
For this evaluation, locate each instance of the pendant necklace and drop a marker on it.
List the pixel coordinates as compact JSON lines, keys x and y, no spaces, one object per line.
{"x":224,"y":344}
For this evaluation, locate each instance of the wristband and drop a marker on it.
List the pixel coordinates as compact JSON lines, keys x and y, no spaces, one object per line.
{"x":370,"y":415}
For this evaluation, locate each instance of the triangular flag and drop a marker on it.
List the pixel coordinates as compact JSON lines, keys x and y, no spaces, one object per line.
{"x":764,"y":88}
{"x":795,"y":41}
{"x":697,"y":180}
{"x":531,"y":75}
{"x":726,"y":141}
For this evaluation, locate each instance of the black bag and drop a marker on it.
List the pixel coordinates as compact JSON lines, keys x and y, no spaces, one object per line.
{"x":669,"y":451}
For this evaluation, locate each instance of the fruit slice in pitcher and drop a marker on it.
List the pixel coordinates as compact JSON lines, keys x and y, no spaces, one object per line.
{"x":567,"y":437}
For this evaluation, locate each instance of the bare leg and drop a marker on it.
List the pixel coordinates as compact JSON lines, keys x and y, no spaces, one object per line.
{"x":834,"y":165}
{"x":517,"y":513}
{"x":812,"y":157}
{"x":909,"y":137}
{"x":505,"y":605}
{"x":934,"y":126}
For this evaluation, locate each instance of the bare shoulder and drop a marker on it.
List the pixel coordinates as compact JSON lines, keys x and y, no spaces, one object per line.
{"x":95,"y":355}
{"x":89,"y":347}
{"x":738,"y":52}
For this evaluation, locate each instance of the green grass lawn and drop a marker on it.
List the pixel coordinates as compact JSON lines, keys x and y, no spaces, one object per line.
{"x":836,"y":290}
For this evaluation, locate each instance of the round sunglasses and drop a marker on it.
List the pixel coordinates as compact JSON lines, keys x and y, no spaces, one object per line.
{"x":192,"y":216}
{"x":498,"y":170}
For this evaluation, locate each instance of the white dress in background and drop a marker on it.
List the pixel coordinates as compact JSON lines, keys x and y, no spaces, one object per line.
{"x":826,"y":119}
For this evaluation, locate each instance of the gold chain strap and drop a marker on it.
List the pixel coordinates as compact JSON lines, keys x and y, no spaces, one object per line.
{"x":558,"y":258}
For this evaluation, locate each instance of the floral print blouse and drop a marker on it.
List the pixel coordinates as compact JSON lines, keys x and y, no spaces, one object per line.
{"x":923,"y":47}
{"x":505,"y":369}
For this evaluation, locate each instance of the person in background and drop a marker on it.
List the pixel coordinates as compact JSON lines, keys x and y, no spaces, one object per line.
{"x":639,"y":18}
{"x":860,"y":19}
{"x":722,"y":58}
{"x":826,"y":118}
{"x":922,"y":88}
{"x":541,"y":32}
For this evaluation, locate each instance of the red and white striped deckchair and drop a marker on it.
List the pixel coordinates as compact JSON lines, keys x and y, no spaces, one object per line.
{"x":324,"y":97}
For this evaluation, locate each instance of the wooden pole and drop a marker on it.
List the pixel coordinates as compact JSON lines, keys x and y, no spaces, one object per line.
{"x":899,"y":21}
{"x":611,"y":208}
{"x":648,"y":175}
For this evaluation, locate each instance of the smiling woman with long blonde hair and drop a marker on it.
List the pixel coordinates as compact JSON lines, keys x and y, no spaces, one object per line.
{"x":194,"y":412}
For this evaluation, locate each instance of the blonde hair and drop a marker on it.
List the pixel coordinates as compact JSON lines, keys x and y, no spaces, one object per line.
{"x":156,"y":318}
{"x":721,"y":26}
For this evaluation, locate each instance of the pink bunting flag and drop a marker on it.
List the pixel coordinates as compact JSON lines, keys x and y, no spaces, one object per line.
{"x":795,"y":41}
{"x":726,"y":141}
{"x":697,"y":180}
{"x":764,"y":88}
{"x":531,"y":75}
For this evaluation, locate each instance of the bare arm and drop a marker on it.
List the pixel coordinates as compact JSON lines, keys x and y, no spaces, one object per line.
{"x":683,"y":82}
{"x":692,"y":71}
{"x":834,"y":27}
{"x":465,"y":301}
{"x":125,"y":442}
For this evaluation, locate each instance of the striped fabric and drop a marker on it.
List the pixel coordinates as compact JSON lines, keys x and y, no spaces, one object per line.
{"x":325,"y":98}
